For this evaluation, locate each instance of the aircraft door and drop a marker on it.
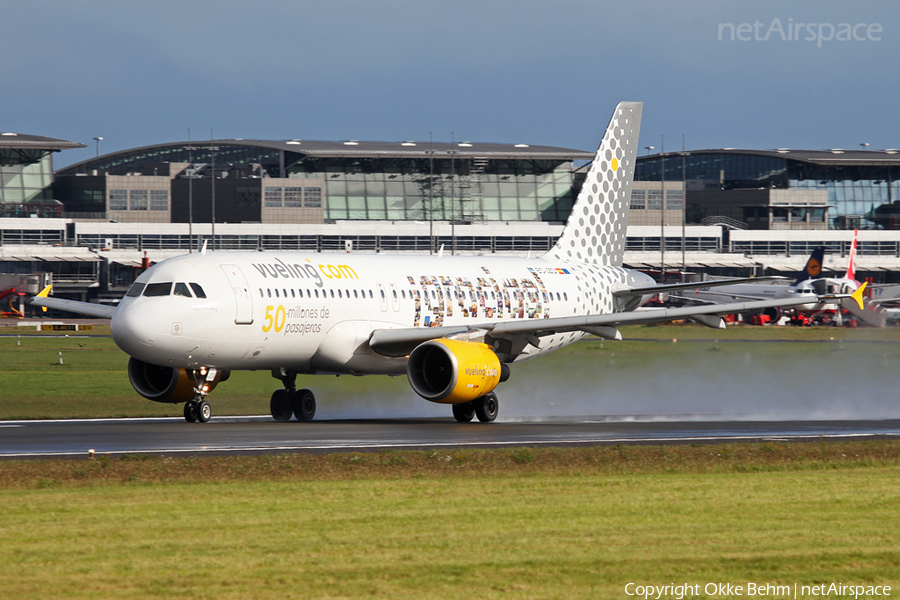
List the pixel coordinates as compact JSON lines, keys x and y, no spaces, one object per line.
{"x":243,"y":301}
{"x":382,"y":295}
{"x":395,"y":295}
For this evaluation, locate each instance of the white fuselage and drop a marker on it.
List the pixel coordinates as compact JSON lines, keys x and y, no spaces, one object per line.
{"x":314,"y":313}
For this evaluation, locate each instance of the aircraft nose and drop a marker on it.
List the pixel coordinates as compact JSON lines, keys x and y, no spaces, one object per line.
{"x":134,"y":328}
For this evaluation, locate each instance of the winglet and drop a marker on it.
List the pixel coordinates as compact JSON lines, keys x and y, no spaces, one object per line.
{"x":858,"y":295}
{"x":45,"y":293}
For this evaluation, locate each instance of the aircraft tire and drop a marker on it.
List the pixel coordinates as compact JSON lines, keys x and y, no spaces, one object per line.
{"x":190,"y":411}
{"x":204,"y":411}
{"x":463,"y":412}
{"x":303,"y":403}
{"x":280,"y":405}
{"x":487,"y":407}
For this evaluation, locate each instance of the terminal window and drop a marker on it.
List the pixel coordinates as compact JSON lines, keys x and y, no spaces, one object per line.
{"x":312,"y":197}
{"x":137,"y":199}
{"x":118,"y":200}
{"x":159,"y":199}
{"x":273,"y":197}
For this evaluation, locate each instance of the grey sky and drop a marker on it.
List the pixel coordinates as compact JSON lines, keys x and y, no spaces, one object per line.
{"x":523,"y":71}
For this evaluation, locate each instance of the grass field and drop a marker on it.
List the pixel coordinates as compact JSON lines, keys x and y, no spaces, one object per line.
{"x":521,"y":523}
{"x":748,"y":367}
{"x":526,"y":523}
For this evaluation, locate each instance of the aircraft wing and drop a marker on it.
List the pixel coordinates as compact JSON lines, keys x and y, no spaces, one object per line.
{"x":400,"y":342}
{"x":722,"y":294}
{"x":880,"y":301}
{"x":675,"y":287}
{"x":83,"y":308}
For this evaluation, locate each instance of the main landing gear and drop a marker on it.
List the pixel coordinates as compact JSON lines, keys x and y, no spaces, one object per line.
{"x":291,"y":401}
{"x":485,"y":408}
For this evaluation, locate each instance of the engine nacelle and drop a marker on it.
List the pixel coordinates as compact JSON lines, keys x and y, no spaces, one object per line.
{"x":165,"y":384}
{"x":451,"y":371}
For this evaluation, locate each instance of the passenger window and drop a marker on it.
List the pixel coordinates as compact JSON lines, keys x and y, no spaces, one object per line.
{"x":370,"y":293}
{"x":260,"y":293}
{"x":284,"y":291}
{"x":135,"y":289}
{"x":403,"y":294}
{"x":355,"y":294}
{"x":382,"y":293}
{"x":339,"y":294}
{"x":292,"y":293}
{"x":395,"y":294}
{"x":308,"y":293}
{"x":198,"y":291}
{"x":181,"y":289}
{"x":276,"y":293}
{"x":565,"y":297}
{"x":332,"y":293}
{"x":269,"y":290}
{"x":317,"y":293}
{"x":158,"y":289}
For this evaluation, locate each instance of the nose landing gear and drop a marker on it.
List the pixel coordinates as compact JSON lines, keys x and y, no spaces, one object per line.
{"x":199,"y":409}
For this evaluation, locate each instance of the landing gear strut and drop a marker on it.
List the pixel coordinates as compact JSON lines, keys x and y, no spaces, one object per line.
{"x":291,"y":401}
{"x":199,"y":409}
{"x":485,"y":408}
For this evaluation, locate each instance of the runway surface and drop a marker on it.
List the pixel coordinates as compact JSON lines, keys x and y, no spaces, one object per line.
{"x":249,"y":435}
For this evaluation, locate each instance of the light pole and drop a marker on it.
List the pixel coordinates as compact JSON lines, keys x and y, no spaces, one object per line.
{"x":430,"y":192}
{"x":97,"y":139}
{"x":212,"y":183}
{"x":648,"y":149}
{"x":452,"y":154}
{"x":662,"y":208}
{"x":683,"y":208}
{"x":190,"y":195}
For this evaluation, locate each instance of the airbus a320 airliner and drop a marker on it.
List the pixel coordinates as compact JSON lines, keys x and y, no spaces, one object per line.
{"x":453,"y":325}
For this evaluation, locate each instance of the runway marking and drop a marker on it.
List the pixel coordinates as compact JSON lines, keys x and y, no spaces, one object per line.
{"x":468,"y":444}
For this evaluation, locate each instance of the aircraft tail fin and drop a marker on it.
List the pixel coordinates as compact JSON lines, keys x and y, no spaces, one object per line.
{"x":596,"y":229}
{"x":45,"y":293}
{"x":813,"y":268}
{"x":851,"y":263}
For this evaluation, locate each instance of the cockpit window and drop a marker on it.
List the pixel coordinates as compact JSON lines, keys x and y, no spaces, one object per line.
{"x":198,"y":291}
{"x":181,"y":289}
{"x":158,"y":289}
{"x":135,"y":289}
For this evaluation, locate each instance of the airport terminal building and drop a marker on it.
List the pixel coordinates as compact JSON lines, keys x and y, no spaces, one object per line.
{"x":744,"y":211}
{"x":324,"y":182}
{"x":780,"y":189}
